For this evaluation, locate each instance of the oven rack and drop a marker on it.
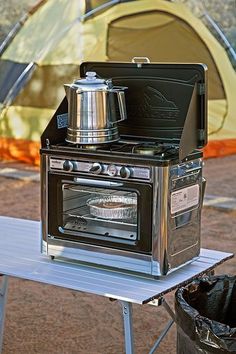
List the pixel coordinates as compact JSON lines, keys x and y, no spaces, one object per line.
{"x":98,"y":191}
{"x":82,"y":213}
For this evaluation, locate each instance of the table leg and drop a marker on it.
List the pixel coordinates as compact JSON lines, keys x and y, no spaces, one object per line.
{"x":161,"y":337}
{"x":3,"y":299}
{"x":128,"y":327}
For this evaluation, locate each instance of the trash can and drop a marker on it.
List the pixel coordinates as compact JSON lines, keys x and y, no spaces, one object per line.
{"x":206,"y":316}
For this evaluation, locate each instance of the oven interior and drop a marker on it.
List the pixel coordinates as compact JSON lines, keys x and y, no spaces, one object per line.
{"x":102,"y":212}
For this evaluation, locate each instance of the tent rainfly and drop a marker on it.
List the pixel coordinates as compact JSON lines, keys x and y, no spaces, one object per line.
{"x":58,"y":35}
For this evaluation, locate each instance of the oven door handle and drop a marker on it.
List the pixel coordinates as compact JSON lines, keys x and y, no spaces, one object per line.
{"x":97,"y":183}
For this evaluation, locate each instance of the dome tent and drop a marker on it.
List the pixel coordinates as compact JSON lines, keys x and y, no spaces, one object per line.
{"x":48,"y":49}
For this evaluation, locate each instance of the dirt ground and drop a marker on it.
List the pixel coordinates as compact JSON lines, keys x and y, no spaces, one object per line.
{"x":42,"y":319}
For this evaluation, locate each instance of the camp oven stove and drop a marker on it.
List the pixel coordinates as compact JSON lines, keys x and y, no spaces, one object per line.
{"x":134,"y":204}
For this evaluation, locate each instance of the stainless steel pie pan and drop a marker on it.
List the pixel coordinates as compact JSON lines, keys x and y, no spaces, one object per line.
{"x":113,"y":207}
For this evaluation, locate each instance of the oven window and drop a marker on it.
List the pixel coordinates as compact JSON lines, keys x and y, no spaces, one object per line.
{"x":103,"y":212}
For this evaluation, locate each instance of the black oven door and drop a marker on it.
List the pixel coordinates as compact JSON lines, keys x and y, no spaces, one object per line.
{"x":101,"y":212}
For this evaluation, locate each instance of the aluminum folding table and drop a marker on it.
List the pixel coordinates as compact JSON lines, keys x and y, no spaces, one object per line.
{"x":20,"y":257}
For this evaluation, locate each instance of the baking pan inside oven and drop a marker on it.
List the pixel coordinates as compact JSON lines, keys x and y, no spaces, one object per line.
{"x":113,"y":207}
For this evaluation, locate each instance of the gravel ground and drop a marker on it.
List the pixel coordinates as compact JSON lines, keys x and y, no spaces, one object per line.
{"x":43,"y":319}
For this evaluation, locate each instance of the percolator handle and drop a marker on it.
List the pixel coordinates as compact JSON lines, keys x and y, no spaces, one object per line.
{"x":122,"y":105}
{"x":119,"y":90}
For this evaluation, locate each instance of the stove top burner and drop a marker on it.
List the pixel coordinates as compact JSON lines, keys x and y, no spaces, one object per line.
{"x":151,"y":149}
{"x":84,"y":147}
{"x":155,"y":149}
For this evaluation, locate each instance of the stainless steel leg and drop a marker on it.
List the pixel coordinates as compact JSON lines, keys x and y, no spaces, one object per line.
{"x":3,"y":299}
{"x":128,"y":327}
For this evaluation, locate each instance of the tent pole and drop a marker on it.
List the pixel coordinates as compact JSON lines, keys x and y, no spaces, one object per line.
{"x":221,"y":35}
{"x":99,"y":8}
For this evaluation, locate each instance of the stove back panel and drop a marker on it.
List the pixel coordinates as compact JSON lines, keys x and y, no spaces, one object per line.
{"x":161,"y":100}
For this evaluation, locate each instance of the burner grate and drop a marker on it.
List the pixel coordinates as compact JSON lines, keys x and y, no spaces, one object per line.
{"x":160,"y":150}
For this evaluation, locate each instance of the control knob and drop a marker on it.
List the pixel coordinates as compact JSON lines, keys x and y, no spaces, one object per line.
{"x":96,"y":168}
{"x":125,"y":172}
{"x":112,"y":170}
{"x":68,"y":165}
